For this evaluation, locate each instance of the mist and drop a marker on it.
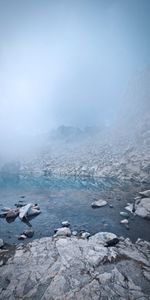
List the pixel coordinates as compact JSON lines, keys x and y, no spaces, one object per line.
{"x":67,"y":62}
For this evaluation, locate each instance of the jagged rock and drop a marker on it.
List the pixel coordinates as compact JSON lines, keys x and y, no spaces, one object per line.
{"x":98,"y":203}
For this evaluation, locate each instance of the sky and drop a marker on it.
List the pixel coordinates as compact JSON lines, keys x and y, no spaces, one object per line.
{"x":68,"y":62}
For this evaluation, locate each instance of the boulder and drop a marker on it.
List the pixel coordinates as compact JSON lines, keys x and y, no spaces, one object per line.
{"x":145,"y":194}
{"x":98,"y":203}
{"x":63,"y":231}
{"x":142,"y":209}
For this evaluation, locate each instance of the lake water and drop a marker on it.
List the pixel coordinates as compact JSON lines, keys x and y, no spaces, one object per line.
{"x":70,"y":199}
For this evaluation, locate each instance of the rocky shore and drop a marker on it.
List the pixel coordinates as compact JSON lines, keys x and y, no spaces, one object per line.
{"x":75,"y":268}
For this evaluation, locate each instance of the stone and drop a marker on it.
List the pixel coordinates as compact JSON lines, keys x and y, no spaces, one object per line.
{"x":65,"y":224}
{"x":22,"y":237}
{"x":145,"y":194}
{"x":29,"y":233}
{"x":85,"y":235}
{"x":98,"y":203}
{"x":63,"y":231}
{"x":124,"y":214}
{"x":74,"y":232}
{"x":142,"y":209}
{"x":124,"y":221}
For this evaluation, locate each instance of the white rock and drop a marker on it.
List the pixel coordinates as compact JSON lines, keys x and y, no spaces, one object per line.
{"x":85,"y":235}
{"x":74,"y":232}
{"x":63,"y":231}
{"x":143,"y":208}
{"x":99,"y":203}
{"x":65,"y":224}
{"x":124,"y":221}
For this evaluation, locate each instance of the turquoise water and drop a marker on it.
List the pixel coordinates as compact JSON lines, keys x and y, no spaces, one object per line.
{"x":70,"y":199}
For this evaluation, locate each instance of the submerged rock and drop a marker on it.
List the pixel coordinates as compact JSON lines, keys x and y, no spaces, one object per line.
{"x":98,"y":203}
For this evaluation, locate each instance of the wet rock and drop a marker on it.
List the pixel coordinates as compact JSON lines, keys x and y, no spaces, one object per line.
{"x":65,"y":224}
{"x":22,"y":237}
{"x":11,"y":216}
{"x":29,"y":233}
{"x":63,"y":231}
{"x":124,"y":214}
{"x":98,"y":203}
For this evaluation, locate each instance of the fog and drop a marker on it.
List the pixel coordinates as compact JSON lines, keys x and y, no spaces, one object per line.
{"x":67,"y":62}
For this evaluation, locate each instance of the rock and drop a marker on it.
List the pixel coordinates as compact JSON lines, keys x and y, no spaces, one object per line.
{"x":98,"y":203}
{"x":1,"y":243}
{"x":64,"y":231}
{"x":11,"y":215}
{"x":65,"y":224}
{"x":124,"y":221}
{"x":129,"y":207}
{"x":74,"y":232}
{"x":124,"y":214}
{"x":29,"y":210}
{"x":75,"y":268}
{"x":29,"y":233}
{"x":145,"y":194}
{"x":142,"y":209}
{"x":85,"y":235}
{"x":111,"y":206}
{"x":112,"y":243}
{"x":22,"y":237}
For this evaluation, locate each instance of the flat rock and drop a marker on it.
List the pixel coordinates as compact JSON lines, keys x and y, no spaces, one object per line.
{"x":99,"y":203}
